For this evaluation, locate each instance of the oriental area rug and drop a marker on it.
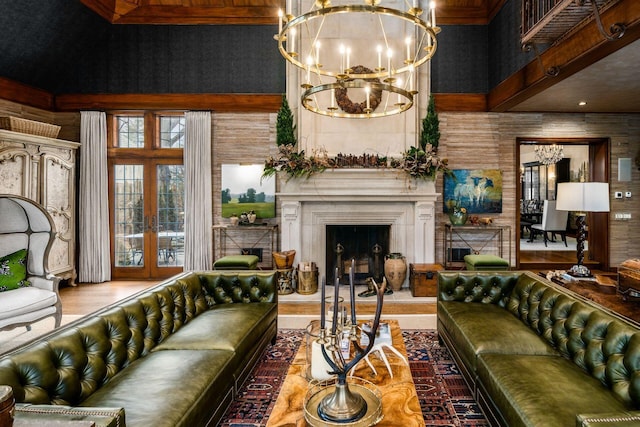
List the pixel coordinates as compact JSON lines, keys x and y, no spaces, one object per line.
{"x":444,"y":397}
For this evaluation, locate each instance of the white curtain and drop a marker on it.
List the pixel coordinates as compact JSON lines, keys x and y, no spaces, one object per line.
{"x":94,"y":263}
{"x":197,"y":188}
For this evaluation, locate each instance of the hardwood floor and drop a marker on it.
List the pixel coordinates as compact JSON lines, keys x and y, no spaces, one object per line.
{"x":89,"y":297}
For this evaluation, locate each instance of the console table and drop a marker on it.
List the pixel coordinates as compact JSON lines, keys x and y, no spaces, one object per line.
{"x":258,"y":240}
{"x":478,"y":239}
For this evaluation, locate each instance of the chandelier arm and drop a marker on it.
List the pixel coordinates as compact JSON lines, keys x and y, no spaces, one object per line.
{"x":384,"y":33}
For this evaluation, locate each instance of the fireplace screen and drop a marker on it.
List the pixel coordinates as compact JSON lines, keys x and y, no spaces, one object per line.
{"x":366,"y":244}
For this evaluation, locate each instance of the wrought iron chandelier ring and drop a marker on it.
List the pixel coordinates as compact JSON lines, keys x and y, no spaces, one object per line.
{"x":427,"y":44}
{"x":403,"y":103}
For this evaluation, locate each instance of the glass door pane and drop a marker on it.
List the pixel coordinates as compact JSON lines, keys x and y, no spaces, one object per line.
{"x":129,"y":216}
{"x":170,"y":215}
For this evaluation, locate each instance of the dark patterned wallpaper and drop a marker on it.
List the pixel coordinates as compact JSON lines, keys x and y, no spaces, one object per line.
{"x":66,"y":48}
{"x":460,"y":63}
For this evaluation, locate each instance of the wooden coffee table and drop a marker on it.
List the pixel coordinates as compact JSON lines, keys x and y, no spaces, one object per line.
{"x":400,"y":405}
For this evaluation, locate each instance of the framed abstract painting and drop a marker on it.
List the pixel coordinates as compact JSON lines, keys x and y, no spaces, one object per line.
{"x":479,"y":191}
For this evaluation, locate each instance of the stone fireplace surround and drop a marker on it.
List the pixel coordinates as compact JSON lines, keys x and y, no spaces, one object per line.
{"x":359,"y":197}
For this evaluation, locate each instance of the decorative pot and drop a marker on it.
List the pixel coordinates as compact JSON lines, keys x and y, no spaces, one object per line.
{"x":252,"y":218}
{"x":395,"y":270}
{"x":234,"y":220}
{"x":284,"y":259}
{"x":458,"y":217}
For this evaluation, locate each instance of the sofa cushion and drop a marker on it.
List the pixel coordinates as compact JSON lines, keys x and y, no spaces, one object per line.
{"x":478,"y":328}
{"x":238,"y":327}
{"x":25,"y":300}
{"x":13,"y":271}
{"x":169,"y":388}
{"x":532,"y":390}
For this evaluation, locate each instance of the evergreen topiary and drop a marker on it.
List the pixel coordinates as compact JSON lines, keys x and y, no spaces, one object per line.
{"x":430,"y":127}
{"x":285,"y":129}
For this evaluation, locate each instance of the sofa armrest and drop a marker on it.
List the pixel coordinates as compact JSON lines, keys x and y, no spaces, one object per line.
{"x":101,"y":417}
{"x":609,"y":419}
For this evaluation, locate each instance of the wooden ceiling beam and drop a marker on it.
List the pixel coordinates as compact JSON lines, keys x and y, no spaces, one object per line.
{"x":21,"y":93}
{"x":227,"y":103}
{"x":262,"y":12}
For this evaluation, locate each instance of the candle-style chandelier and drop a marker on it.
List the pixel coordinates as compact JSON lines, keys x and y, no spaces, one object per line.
{"x":352,"y":52}
{"x":549,"y":154}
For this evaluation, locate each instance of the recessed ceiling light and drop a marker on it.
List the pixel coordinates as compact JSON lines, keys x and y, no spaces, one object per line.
{"x":582,"y":103}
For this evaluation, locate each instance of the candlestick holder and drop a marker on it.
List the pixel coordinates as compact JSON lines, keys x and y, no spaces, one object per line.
{"x":340,"y":402}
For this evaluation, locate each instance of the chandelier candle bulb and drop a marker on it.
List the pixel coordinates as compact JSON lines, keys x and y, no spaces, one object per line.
{"x":433,"y":13}
{"x":348,"y":58}
{"x":333,"y":98}
{"x":292,"y":40}
{"x":309,"y":62}
{"x":389,"y":55}
{"x":411,"y":70}
{"x":279,"y":21}
{"x":342,"y":53}
{"x":400,"y":86}
{"x":367,"y":89}
{"x":379,"y":49}
{"x":318,"y":53}
{"x":408,"y":42}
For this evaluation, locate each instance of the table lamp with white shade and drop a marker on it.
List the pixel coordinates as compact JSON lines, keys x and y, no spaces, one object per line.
{"x":582,"y":197}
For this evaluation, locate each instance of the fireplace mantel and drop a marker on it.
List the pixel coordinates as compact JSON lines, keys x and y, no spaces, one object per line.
{"x":358,"y":196}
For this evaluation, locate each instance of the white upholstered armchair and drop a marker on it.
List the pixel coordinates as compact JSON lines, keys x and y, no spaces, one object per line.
{"x":28,"y":292}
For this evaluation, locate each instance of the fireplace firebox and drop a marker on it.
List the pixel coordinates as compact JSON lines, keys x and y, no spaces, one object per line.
{"x":365,"y":244}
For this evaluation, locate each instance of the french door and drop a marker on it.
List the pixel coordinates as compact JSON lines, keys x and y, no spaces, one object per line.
{"x":146,"y":188}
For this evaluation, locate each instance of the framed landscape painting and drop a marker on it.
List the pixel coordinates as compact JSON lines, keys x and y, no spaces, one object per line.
{"x":477,"y":190}
{"x":244,"y":190}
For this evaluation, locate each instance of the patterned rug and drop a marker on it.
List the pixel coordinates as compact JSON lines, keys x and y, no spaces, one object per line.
{"x":444,"y":396}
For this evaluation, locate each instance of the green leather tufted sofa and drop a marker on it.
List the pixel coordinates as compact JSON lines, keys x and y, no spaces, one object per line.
{"x":536,"y":354}
{"x":172,"y":355}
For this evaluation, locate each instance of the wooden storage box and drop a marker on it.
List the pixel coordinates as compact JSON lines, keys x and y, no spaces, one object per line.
{"x":629,"y":279}
{"x":423,"y":279}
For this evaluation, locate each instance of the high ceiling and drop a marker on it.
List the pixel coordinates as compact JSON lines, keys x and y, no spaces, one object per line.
{"x":608,"y":85}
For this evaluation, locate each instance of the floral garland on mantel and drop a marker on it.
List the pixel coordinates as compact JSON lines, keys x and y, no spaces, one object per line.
{"x":416,"y":162}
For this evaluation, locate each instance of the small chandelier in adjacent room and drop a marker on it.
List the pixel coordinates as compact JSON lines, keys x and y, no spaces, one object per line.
{"x":358,"y":60}
{"x":549,"y":154}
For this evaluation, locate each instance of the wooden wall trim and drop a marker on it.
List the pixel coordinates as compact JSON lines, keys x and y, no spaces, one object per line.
{"x":227,"y":103}
{"x":21,"y":93}
{"x":467,"y":102}
{"x":581,"y":49}
{"x":466,"y":14}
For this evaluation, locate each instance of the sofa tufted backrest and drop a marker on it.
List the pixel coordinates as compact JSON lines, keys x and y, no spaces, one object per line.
{"x":484,"y":287}
{"x":599,"y":342}
{"x":224,"y":287}
{"x":72,"y":363}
